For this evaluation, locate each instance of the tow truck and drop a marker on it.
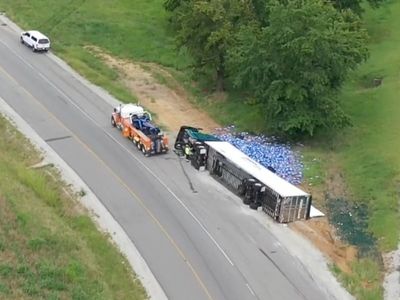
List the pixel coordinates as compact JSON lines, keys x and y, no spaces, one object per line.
{"x":136,"y":124}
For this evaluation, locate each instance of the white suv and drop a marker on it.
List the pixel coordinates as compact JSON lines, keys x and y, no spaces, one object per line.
{"x":36,"y":40}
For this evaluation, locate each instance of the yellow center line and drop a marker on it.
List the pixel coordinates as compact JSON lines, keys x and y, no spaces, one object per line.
{"x":140,"y":201}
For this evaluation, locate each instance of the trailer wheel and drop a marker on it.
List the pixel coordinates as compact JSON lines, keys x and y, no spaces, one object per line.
{"x":246,"y":201}
{"x":139,"y":145}
{"x":113,"y":124}
{"x":254,"y":205}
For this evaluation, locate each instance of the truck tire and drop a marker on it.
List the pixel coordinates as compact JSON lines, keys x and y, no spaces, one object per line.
{"x":144,"y":151}
{"x":113,"y":124}
{"x":22,"y":40}
{"x":246,"y":201}
{"x":253,"y":205}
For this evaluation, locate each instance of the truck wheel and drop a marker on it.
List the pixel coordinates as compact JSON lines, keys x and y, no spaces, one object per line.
{"x":113,"y":124}
{"x":22,"y":40}
{"x":145,"y":153}
{"x":33,"y":48}
{"x":253,"y":205}
{"x":139,"y":145}
{"x":246,"y":201}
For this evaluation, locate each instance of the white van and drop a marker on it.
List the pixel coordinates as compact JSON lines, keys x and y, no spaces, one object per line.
{"x":36,"y":40}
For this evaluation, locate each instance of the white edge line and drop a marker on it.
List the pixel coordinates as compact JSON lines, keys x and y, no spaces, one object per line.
{"x":99,"y":213}
{"x":250,"y":289}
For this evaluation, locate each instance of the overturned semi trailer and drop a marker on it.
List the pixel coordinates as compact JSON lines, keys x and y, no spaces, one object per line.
{"x":255,"y":184}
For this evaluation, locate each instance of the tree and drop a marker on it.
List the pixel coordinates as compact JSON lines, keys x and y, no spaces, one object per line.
{"x":206,"y":29}
{"x":295,"y":65}
{"x":354,"y":5}
{"x":171,"y":5}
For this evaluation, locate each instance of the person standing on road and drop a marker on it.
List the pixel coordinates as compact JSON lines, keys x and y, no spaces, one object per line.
{"x":188,"y":151}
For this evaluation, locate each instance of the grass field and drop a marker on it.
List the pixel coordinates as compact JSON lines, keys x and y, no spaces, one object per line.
{"x":369,"y":151}
{"x":125,"y":28}
{"x":371,"y":155}
{"x":133,"y":29}
{"x":49,"y":248}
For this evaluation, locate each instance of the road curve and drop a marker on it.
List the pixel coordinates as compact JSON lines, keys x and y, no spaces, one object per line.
{"x":195,"y":236}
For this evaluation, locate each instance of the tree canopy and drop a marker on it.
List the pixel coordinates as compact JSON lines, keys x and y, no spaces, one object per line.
{"x":296,"y":65}
{"x":354,"y":5}
{"x":207,"y":28}
{"x":291,"y":56}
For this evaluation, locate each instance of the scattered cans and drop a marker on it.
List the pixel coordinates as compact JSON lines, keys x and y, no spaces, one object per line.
{"x":267,"y":151}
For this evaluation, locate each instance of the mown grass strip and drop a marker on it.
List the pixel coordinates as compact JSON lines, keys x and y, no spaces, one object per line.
{"x":49,"y":247}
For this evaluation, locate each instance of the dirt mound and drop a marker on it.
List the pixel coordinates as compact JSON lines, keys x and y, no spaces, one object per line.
{"x":319,"y":231}
{"x":170,"y":105}
{"x":323,"y":236}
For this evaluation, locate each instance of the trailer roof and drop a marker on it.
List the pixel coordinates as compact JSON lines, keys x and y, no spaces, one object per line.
{"x":253,"y":168}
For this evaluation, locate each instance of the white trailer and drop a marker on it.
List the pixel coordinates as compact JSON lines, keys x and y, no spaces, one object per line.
{"x":278,"y":198}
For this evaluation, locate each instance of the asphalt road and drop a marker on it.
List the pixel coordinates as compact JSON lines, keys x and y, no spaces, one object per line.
{"x":195,"y":236}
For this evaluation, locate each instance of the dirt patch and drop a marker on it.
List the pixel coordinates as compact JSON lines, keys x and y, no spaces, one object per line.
{"x":324,"y":237}
{"x":171,"y":105}
{"x":335,"y":183}
{"x":319,"y":231}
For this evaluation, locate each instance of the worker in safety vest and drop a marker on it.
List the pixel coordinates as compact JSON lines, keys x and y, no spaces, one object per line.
{"x":188,"y":151}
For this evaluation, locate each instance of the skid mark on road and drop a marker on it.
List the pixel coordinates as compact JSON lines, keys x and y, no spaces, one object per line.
{"x":58,"y":138}
{"x":283,"y":273}
{"x":187,"y":176}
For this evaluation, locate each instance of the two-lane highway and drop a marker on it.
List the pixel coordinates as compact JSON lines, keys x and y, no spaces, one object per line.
{"x":192,"y":233}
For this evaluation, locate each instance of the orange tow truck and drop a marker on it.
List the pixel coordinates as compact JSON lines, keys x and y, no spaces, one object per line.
{"x":136,"y":124}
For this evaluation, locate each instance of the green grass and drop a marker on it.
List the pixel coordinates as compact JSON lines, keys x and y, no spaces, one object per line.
{"x":49,"y":248}
{"x":133,"y":29}
{"x":371,"y":156}
{"x":93,"y":68}
{"x":233,"y":110}
{"x":129,"y":29}
{"x":369,"y":151}
{"x":364,"y":282}
{"x":314,"y":167}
